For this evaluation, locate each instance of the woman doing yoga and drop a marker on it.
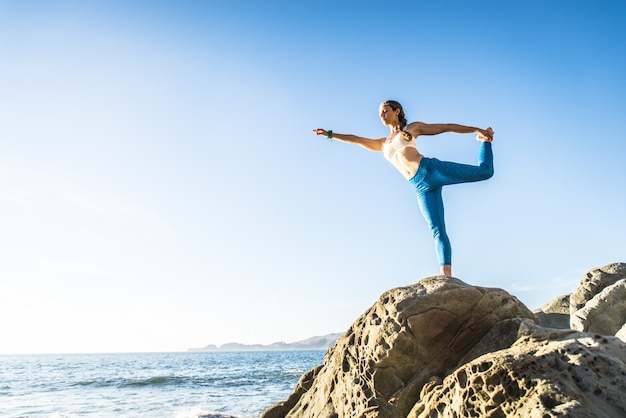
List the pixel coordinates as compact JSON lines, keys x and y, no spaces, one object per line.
{"x":427,"y":175}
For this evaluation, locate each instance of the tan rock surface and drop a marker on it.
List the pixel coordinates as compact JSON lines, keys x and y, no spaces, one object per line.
{"x":545,"y":375}
{"x":594,"y":281}
{"x":621,"y":334}
{"x":605,"y":313}
{"x":599,"y":302}
{"x":555,"y":314}
{"x":378,"y":367}
{"x":442,"y":348}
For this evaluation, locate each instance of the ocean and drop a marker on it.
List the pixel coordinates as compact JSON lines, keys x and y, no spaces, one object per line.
{"x":176,"y":385}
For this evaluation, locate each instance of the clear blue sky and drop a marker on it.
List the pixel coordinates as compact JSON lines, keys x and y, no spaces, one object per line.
{"x":160,"y":186}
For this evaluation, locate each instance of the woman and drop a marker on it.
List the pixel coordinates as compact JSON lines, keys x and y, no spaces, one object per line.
{"x":427,"y":175}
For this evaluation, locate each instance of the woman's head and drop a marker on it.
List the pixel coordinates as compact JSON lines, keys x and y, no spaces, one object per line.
{"x":389,"y":111}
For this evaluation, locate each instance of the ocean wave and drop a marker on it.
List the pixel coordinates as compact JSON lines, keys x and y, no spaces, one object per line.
{"x":155,"y":381}
{"x":197,"y":412}
{"x":182,"y":381}
{"x":138,"y":382}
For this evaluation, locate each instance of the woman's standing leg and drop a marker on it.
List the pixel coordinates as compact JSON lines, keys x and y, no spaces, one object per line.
{"x":431,"y":205}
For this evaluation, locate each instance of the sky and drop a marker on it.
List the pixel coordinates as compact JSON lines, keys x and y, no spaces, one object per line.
{"x":161,"y":187}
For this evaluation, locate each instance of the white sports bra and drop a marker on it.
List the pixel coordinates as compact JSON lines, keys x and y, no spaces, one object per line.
{"x":397,"y":143}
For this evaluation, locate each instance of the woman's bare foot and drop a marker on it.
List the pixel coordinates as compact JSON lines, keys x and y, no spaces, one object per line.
{"x":446,"y":270}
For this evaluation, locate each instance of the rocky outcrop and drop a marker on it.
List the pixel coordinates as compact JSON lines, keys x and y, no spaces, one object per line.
{"x":555,"y":314}
{"x":544,"y":374}
{"x":599,"y":302}
{"x":378,"y":367}
{"x":597,"y":305}
{"x":443,"y":348}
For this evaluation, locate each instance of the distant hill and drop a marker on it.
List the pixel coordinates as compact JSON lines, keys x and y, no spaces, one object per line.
{"x":313,"y":343}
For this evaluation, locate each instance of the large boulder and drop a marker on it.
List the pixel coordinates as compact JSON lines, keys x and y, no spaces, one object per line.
{"x":380,"y":365}
{"x":599,"y":303}
{"x":442,"y":348}
{"x":547,"y":373}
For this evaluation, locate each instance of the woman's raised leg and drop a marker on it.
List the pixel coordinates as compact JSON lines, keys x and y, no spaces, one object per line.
{"x":443,"y":173}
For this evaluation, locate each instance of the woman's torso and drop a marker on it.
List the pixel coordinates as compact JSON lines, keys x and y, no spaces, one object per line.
{"x":402,"y":153}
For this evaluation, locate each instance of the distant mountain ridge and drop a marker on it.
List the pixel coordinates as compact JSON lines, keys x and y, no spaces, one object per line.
{"x":314,"y":343}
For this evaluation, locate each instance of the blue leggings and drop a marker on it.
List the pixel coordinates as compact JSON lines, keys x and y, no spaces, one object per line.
{"x":431,"y":176}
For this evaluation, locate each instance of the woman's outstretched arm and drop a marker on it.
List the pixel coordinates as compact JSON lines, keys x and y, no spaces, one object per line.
{"x":367,"y":143}
{"x":420,"y":128}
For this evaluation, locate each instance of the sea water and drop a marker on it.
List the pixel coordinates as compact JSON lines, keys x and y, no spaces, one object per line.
{"x":177,"y":385}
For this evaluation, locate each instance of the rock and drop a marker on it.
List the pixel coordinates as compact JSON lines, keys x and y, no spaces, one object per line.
{"x":593,"y":283}
{"x":545,"y":374}
{"x":621,"y":334}
{"x":282,"y":408}
{"x":502,"y":335}
{"x":605,"y":313}
{"x":442,"y":348}
{"x":599,"y":303}
{"x":379,"y":366}
{"x":555,"y":314}
{"x":558,"y":305}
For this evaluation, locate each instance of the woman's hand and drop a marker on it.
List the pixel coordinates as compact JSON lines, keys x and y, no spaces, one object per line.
{"x":485,"y":135}
{"x":367,"y":143}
